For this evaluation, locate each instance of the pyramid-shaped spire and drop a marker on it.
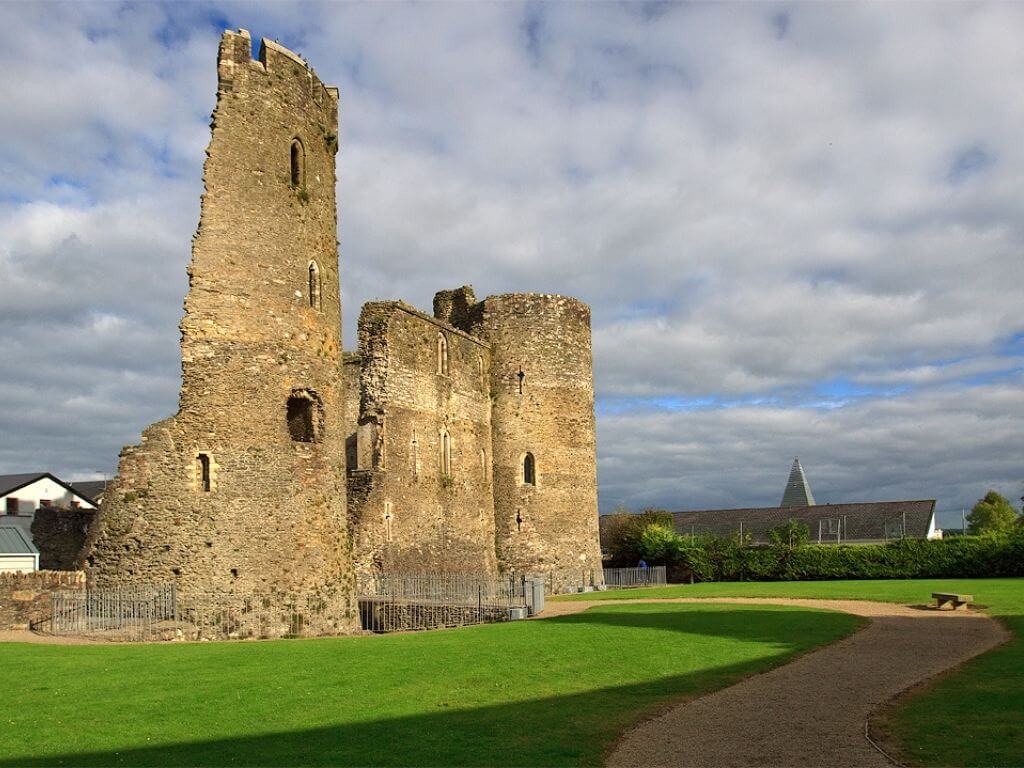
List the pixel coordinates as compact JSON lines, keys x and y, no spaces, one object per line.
{"x":798,"y":492}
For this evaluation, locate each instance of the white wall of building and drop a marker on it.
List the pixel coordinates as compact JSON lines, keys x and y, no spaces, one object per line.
{"x":19,"y":563}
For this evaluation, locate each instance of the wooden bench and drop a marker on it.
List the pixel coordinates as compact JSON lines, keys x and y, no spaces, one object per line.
{"x":946,"y":598}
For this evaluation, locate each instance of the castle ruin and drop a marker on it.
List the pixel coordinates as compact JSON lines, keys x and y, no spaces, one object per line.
{"x":459,"y":442}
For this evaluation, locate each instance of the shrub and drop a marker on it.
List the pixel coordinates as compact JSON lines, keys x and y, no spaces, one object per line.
{"x":725,"y":559}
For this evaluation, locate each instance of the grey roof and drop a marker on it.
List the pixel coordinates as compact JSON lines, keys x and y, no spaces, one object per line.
{"x":13,"y":541}
{"x":864,"y":521}
{"x":90,"y":488}
{"x":10,"y":483}
{"x":798,"y":492}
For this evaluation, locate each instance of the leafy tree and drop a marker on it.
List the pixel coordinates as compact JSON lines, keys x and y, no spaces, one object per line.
{"x":623,"y":533}
{"x":659,"y":545}
{"x":791,"y":534}
{"x":992,"y":514}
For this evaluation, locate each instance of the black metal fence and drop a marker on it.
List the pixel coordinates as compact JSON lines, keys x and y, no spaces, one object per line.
{"x":400,"y":602}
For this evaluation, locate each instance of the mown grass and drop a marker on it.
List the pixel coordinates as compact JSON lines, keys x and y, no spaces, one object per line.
{"x":553,"y":692}
{"x":972,"y":716}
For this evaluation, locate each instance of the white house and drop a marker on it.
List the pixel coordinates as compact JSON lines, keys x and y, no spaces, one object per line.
{"x":21,"y":495}
{"x":17,"y":553}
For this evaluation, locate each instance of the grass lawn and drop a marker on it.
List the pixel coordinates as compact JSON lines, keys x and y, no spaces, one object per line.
{"x":553,"y":692}
{"x":973,"y":716}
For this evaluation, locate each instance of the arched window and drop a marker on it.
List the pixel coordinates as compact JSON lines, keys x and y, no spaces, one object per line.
{"x":483,"y":464}
{"x":480,"y":370}
{"x":529,"y":470}
{"x":303,"y":414}
{"x":314,"y":285}
{"x":446,"y":454}
{"x":298,"y":164}
{"x":442,"y":354}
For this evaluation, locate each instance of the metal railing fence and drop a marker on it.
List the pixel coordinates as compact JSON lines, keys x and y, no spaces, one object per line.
{"x":162,"y":612}
{"x":129,"y":610}
{"x":400,"y":602}
{"x":619,"y":578}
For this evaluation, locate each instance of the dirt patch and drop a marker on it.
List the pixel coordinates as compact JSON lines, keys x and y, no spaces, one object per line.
{"x":814,"y":710}
{"x":26,"y":636}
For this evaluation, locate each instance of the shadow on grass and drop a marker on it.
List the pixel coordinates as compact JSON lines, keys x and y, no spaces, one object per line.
{"x":570,"y":729}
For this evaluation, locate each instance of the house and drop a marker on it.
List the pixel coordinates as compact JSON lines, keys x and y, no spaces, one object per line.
{"x":17,"y":553}
{"x":21,"y":495}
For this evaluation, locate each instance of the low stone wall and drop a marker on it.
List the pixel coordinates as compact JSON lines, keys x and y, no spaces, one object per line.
{"x":25,"y":597}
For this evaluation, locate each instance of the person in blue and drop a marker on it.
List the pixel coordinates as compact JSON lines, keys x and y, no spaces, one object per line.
{"x":642,"y":564}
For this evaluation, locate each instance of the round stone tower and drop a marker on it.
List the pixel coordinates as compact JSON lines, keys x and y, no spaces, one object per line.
{"x":542,"y":421}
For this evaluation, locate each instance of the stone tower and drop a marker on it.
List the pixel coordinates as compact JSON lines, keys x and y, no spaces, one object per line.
{"x":543,"y":435}
{"x":243,"y":491}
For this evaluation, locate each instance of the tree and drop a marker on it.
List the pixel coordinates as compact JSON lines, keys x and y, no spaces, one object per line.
{"x":791,"y":534}
{"x":992,"y":514}
{"x":623,"y":532}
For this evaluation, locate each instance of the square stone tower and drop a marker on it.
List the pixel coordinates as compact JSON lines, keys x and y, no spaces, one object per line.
{"x":242,"y":492}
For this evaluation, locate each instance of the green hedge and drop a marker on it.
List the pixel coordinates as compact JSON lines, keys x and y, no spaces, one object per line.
{"x":961,"y":557}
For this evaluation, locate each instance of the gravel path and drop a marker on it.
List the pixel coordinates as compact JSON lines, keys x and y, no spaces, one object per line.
{"x":812,"y":711}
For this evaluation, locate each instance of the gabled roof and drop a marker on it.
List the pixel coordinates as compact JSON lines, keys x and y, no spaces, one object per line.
{"x":864,"y":521}
{"x":798,"y":491}
{"x":13,"y":541}
{"x":90,"y":489}
{"x":11,"y":483}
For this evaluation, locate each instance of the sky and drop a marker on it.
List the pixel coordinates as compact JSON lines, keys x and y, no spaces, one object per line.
{"x":799,"y":226}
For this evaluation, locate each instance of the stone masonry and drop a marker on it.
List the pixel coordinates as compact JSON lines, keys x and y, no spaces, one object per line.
{"x":468,"y":434}
{"x":472,"y":444}
{"x":243,"y":490}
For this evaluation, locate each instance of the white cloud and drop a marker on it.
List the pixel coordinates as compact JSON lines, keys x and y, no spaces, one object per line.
{"x":755,"y":199}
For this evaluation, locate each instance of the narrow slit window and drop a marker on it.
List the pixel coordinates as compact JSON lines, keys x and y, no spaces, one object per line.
{"x":442,"y":354}
{"x":388,"y":517}
{"x":314,"y":285}
{"x":529,"y":470}
{"x":203,"y":471}
{"x":298,"y":171}
{"x":446,"y":454}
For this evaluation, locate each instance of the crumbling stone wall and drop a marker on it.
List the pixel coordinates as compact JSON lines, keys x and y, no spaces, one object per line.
{"x":244,"y":488}
{"x":542,"y":395}
{"x":519,"y":381}
{"x":26,"y":597}
{"x":423,"y":386}
{"x":59,"y":535}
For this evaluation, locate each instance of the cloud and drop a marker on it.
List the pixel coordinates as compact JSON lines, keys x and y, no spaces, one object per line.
{"x":799,"y":227}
